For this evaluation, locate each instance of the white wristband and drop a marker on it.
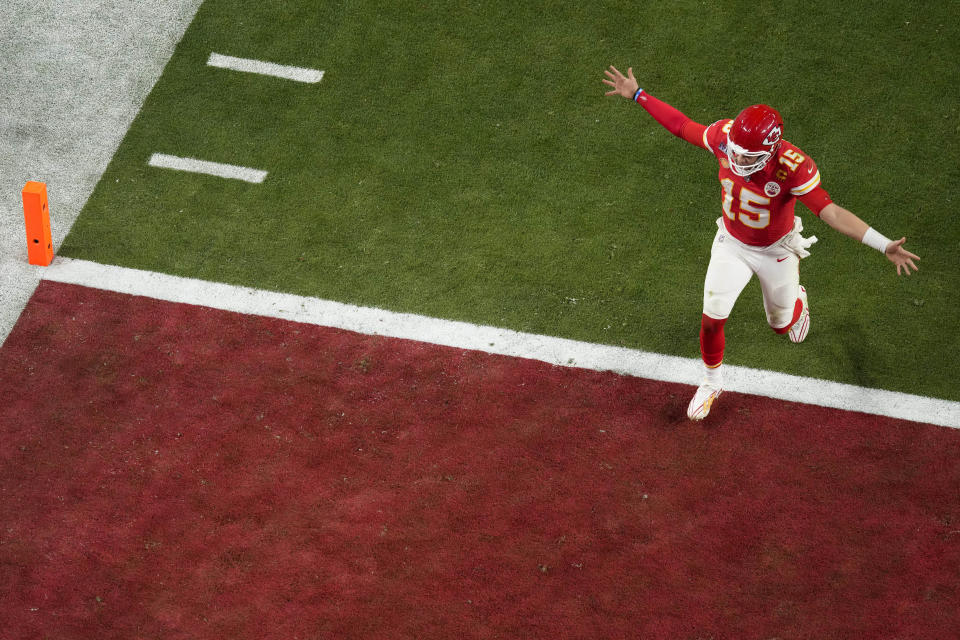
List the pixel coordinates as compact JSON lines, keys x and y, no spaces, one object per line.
{"x":875,"y":239}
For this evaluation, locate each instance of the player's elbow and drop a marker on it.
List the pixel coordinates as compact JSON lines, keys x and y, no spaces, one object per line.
{"x":830,"y":214}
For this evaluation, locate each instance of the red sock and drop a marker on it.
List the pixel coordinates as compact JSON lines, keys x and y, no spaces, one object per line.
{"x":711,"y":340}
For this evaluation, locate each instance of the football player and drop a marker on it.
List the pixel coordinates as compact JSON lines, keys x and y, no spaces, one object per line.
{"x":761,"y":176}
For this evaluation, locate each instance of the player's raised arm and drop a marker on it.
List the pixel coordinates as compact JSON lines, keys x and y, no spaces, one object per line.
{"x":670,"y":118}
{"x":850,"y":225}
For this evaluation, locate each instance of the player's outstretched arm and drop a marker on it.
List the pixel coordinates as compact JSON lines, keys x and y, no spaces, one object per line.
{"x":623,"y":85}
{"x":672,"y":120}
{"x":850,"y":225}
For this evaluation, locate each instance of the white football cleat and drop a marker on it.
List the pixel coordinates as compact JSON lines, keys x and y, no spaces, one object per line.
{"x":703,"y":399}
{"x":800,"y":328}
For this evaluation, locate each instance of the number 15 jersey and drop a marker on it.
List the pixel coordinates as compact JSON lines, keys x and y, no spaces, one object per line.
{"x":758,"y":208}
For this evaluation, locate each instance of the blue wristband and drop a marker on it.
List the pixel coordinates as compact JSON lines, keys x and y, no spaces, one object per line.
{"x":636,"y":96}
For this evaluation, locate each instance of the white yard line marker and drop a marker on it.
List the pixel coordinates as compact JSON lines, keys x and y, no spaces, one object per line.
{"x":299,"y":74}
{"x":462,"y":335}
{"x":193,"y":165}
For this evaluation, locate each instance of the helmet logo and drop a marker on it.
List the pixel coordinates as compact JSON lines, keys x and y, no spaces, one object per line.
{"x":774,"y":136}
{"x":772,"y":189}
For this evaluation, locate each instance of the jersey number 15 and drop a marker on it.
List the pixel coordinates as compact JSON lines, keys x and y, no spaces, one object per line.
{"x":750,"y":209}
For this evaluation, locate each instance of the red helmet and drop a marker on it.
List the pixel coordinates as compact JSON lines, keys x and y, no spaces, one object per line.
{"x":754,"y":138}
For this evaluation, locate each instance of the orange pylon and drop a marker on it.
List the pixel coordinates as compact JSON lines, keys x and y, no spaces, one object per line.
{"x":36,"y":216}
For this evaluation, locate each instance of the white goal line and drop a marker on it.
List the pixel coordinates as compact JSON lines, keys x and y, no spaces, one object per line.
{"x":463,"y":335}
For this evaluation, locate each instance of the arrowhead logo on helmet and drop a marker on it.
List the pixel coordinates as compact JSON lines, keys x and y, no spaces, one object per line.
{"x":753,"y":138}
{"x":773,"y":137}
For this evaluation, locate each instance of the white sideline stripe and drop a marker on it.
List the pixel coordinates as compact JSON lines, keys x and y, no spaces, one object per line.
{"x":299,"y":74}
{"x":193,"y":165}
{"x":463,"y":335}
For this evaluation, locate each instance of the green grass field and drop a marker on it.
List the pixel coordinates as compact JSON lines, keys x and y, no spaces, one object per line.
{"x":460,"y":160}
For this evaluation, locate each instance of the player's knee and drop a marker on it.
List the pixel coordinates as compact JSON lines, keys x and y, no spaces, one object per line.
{"x":716,"y":306}
{"x":781,"y":307}
{"x":780,"y":322}
{"x":780,"y":319}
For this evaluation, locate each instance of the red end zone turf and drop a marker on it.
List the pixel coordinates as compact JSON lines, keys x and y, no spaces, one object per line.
{"x":170,"y":471}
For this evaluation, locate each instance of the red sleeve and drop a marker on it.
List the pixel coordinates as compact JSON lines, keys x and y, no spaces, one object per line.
{"x":672,"y":120}
{"x":816,"y":199}
{"x":693,"y":132}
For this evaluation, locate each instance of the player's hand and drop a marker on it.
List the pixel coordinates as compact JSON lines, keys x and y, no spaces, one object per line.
{"x":623,"y":85}
{"x":901,"y":257}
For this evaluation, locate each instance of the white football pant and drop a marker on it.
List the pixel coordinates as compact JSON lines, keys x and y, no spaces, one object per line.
{"x":733,"y":263}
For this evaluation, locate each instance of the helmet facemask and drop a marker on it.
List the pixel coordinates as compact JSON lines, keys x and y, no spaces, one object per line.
{"x":744,"y":162}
